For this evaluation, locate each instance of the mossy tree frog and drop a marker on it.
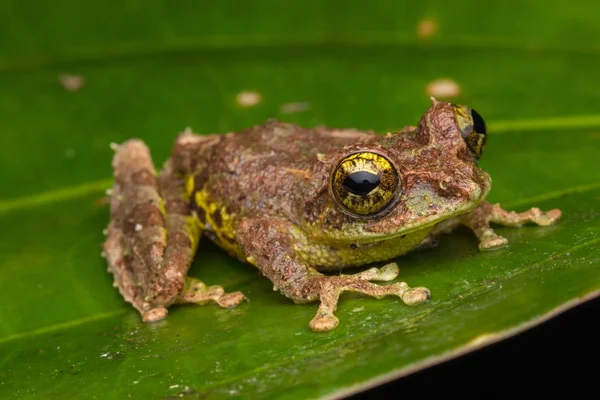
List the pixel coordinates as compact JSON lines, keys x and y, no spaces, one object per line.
{"x":295,"y":202}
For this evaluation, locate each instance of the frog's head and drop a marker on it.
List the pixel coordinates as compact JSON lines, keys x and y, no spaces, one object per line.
{"x":403,"y":182}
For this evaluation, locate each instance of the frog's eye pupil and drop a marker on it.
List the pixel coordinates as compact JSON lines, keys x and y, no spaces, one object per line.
{"x":361,"y":183}
{"x":478,"y":123}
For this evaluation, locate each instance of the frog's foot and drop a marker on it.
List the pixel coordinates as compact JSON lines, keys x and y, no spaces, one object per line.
{"x":330,"y":288}
{"x":196,"y":291}
{"x":479,"y":222}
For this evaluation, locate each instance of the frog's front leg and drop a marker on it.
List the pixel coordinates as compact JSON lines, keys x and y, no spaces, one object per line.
{"x":479,"y":222}
{"x":269,"y":247}
{"x":152,"y":237}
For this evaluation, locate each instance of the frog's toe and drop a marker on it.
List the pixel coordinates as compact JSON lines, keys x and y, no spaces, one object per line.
{"x":155,"y":314}
{"x":324,"y":322}
{"x":230,"y":300}
{"x":388,"y":272}
{"x":416,"y":296}
{"x":539,"y":217}
{"x":493,"y":243}
{"x":548,"y":218}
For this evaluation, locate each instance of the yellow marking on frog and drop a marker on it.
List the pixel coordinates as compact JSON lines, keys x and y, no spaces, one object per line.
{"x":161,"y":207}
{"x":194,"y":230}
{"x":475,"y":140}
{"x":223,"y":229}
{"x":464,"y":119}
{"x":189,"y":186}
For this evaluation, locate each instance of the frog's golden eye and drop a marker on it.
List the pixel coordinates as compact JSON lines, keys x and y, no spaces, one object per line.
{"x":365,"y":183}
{"x":472,"y":128}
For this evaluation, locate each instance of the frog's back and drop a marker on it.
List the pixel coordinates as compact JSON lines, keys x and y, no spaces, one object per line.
{"x":272,"y":163}
{"x":287,"y":145}
{"x":268,"y":170}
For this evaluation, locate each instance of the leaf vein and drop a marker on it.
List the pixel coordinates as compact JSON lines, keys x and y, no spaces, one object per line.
{"x":320,"y":39}
{"x":62,"y":325}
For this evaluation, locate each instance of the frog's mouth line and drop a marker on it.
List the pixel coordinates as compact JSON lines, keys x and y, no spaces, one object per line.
{"x":421,"y":226}
{"x":365,"y":237}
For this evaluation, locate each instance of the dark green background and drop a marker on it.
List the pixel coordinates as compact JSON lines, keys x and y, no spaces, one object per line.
{"x":152,"y":68}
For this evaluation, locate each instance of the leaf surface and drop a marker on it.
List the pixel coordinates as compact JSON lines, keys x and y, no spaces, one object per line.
{"x":152,"y":68}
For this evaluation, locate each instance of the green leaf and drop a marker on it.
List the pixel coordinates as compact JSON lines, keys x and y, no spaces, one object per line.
{"x":152,"y":68}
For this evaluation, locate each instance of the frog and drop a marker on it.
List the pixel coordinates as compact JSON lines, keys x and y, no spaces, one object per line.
{"x":301,"y":205}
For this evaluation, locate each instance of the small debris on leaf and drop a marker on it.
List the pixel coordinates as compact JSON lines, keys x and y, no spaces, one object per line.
{"x":426,"y":28}
{"x":443,"y":88}
{"x":71,"y":83}
{"x":290,"y":108}
{"x":248,"y":99}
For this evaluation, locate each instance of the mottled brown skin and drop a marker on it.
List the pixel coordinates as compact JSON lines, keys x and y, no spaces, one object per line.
{"x":265,"y":195}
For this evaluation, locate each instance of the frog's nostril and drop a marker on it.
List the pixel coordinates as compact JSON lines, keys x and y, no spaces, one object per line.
{"x":444,"y":183}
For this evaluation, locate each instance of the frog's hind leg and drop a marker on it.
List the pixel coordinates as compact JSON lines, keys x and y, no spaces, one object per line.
{"x":152,"y":235}
{"x":479,"y":222}
{"x":136,"y":236}
{"x":183,"y":230}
